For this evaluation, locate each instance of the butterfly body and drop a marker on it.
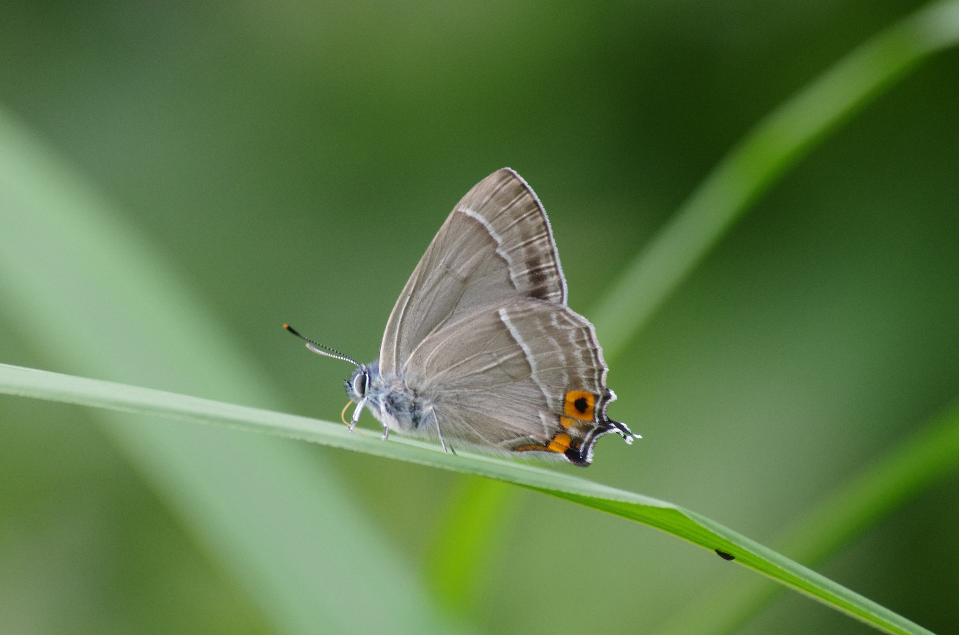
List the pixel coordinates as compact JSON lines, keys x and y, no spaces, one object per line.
{"x":481,"y":349}
{"x":391,"y":400}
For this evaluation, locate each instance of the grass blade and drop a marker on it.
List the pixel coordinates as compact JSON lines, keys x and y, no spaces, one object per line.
{"x":765,"y":154}
{"x":929,"y":456}
{"x":470,"y":528}
{"x":659,"y":514}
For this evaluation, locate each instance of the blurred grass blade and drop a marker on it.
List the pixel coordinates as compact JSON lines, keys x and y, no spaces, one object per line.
{"x":739,"y":179}
{"x":764,"y":155}
{"x":929,"y":456}
{"x":471,"y":527}
{"x":90,"y":294}
{"x":675,"y":520}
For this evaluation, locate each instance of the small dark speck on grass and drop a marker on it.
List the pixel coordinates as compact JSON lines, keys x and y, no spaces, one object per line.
{"x":724,"y":555}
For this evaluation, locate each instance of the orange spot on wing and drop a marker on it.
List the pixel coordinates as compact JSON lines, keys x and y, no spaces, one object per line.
{"x":567,"y":422}
{"x":559,"y":443}
{"x":530,"y":447}
{"x":580,"y":404}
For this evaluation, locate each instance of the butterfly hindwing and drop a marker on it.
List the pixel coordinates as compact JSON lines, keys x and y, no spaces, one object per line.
{"x":527,"y":376}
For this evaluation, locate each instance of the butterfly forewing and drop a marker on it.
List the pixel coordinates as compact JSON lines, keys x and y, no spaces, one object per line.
{"x":527,"y":376}
{"x":495,"y":245}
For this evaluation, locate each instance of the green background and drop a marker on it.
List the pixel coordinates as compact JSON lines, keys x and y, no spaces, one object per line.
{"x":291,"y":161}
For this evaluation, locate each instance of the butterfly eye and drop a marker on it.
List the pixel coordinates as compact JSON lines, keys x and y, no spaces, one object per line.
{"x":360,"y":384}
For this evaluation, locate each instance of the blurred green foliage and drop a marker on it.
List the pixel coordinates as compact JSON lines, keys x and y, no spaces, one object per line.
{"x":290,"y":161}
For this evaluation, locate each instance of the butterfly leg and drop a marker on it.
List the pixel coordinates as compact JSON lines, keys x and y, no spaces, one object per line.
{"x":437,"y":424}
{"x":444,"y":448}
{"x":357,"y":415}
{"x":387,"y":431}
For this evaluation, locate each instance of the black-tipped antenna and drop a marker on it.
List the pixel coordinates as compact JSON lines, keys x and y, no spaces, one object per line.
{"x":317,"y":348}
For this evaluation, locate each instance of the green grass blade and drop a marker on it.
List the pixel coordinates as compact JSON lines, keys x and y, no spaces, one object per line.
{"x":471,"y":527}
{"x":764,"y":155}
{"x":89,"y":294}
{"x":929,"y":456}
{"x":659,"y":514}
{"x":739,"y":179}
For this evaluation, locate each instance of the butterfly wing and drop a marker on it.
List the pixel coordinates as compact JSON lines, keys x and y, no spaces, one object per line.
{"x":527,"y":376}
{"x":495,"y":245}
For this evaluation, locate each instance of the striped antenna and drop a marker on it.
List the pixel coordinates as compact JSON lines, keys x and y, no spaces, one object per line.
{"x":318,"y":348}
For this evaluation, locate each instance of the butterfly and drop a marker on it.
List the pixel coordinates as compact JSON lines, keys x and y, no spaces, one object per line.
{"x":481,"y":348}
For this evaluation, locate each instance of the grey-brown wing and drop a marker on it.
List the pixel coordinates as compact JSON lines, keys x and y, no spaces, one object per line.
{"x":528,"y":376}
{"x":495,"y":245}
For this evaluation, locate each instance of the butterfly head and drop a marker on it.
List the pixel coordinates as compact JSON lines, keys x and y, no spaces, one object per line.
{"x":358,"y":384}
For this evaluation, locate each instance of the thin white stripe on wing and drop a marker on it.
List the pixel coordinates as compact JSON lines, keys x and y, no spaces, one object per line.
{"x":516,"y":335}
{"x":497,"y":240}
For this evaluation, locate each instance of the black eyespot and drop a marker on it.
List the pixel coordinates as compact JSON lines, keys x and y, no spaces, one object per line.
{"x":724,"y":555}
{"x":581,"y":405}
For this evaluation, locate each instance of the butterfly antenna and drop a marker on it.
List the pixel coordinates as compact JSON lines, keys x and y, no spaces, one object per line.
{"x":318,"y":348}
